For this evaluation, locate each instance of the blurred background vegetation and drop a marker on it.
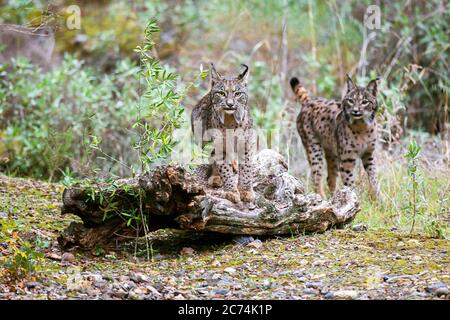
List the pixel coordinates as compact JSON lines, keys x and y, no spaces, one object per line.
{"x":53,"y":106}
{"x":89,"y":86}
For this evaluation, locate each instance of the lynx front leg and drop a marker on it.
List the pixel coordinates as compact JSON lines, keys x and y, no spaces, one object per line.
{"x":346,"y":166}
{"x":230,"y":181}
{"x":214,"y":179}
{"x":369,"y":165}
{"x":245,"y":186}
{"x":246,"y":168}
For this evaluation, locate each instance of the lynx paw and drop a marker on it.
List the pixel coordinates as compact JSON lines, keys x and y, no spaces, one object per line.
{"x":247,"y":195}
{"x":215,"y":181}
{"x":233,"y":196}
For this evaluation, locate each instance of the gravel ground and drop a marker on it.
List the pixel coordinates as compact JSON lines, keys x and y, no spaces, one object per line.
{"x":351,"y":263}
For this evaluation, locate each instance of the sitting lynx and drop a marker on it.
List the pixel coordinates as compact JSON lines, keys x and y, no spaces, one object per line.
{"x":224,"y":116}
{"x":342,"y":131}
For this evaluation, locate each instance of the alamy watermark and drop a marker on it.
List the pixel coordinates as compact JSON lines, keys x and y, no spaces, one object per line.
{"x":73,"y":21}
{"x":372,"y":17}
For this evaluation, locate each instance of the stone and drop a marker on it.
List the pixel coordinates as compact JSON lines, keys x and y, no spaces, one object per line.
{"x":67,"y":257}
{"x":360,"y":227}
{"x":243,"y":240}
{"x":309,"y":291}
{"x":221,"y":291}
{"x":257,"y":244}
{"x":138,"y":277}
{"x":438,"y":289}
{"x":187,"y":251}
{"x":230,"y":270}
{"x":342,"y":294}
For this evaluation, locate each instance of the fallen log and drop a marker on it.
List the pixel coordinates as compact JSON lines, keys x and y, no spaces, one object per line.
{"x":172,"y":197}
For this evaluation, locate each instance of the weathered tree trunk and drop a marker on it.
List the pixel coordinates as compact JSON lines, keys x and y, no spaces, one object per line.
{"x":171,"y":197}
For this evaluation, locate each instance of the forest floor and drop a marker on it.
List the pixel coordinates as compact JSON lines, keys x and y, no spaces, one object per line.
{"x":350,"y":263}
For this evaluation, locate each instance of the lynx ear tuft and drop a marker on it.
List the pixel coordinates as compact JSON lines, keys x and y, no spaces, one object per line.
{"x":349,"y":82}
{"x":215,"y":76}
{"x":372,"y":86}
{"x":244,"y":74}
{"x":294,"y":83}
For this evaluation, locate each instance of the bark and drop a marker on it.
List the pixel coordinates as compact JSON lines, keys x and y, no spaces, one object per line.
{"x":171,"y":197}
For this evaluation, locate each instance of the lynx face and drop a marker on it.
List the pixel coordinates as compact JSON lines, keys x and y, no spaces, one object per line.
{"x":229,"y":95}
{"x":360,"y":103}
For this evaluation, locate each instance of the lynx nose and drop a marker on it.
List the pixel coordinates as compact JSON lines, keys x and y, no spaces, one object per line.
{"x":230,"y":103}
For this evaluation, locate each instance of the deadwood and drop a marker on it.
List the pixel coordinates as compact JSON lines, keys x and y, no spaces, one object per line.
{"x":172,"y":197}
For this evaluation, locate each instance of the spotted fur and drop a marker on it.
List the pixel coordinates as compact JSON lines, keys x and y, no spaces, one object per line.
{"x":226,"y":107}
{"x":340,"y":132}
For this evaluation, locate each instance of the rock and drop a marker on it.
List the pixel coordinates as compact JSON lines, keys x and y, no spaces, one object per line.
{"x":141,"y":290}
{"x":100,"y":284}
{"x":416,"y":258}
{"x":214,"y":263}
{"x":138,"y":277}
{"x":314,"y":285}
{"x":32,"y":284}
{"x":442,"y":292}
{"x":158,"y":256}
{"x":438,"y":289}
{"x":225,"y":281}
{"x":153,"y":290}
{"x":96,"y":278}
{"x":243,"y":240}
{"x":180,"y":273}
{"x":309,"y":291}
{"x":303,"y":262}
{"x":230,"y":270}
{"x":413,"y":242}
{"x":221,"y":291}
{"x":257,"y":244}
{"x":123,"y":278}
{"x":342,"y":294}
{"x":187,"y":251}
{"x":360,"y":227}
{"x":3,"y":215}
{"x":67,"y":257}
{"x":121,"y":294}
{"x":133,"y":295}
{"x":129,"y":285}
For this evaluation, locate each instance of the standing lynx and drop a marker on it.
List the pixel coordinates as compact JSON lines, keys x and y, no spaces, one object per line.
{"x":223,"y":116}
{"x":342,"y":132}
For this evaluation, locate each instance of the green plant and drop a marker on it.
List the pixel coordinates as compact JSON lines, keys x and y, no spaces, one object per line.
{"x":159,"y":110}
{"x":48,"y":117}
{"x":24,"y":258}
{"x":413,"y":174}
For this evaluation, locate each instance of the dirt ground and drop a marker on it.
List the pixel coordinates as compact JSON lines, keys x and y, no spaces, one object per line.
{"x":350,"y":263}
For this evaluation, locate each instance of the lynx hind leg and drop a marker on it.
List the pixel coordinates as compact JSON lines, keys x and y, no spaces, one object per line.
{"x":332,"y":171}
{"x":315,"y":157}
{"x":369,"y":166}
{"x":230,"y":181}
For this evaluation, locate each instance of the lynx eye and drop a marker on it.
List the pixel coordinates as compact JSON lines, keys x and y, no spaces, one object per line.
{"x":351,"y":101}
{"x":221,"y":93}
{"x":365,"y":102}
{"x":238,"y":94}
